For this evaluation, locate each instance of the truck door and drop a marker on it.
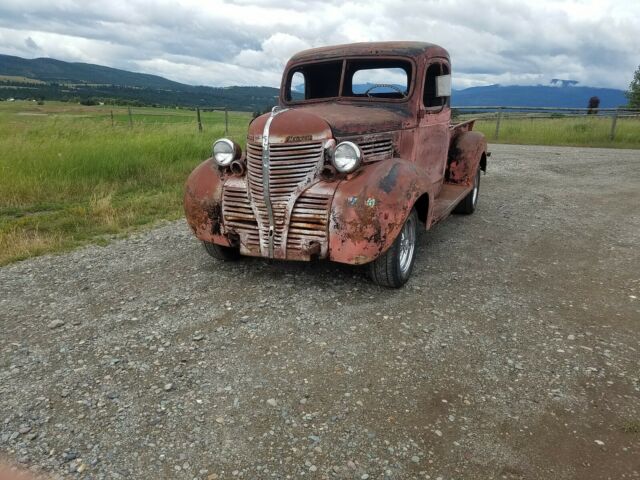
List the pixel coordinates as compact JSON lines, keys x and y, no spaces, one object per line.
{"x":432,"y":143}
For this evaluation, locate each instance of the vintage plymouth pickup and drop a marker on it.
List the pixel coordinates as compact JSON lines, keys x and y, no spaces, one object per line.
{"x":359,"y":154}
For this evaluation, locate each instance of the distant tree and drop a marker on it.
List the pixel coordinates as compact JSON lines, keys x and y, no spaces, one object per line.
{"x":633,"y":94}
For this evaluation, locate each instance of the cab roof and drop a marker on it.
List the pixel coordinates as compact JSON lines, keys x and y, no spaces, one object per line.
{"x":406,"y":49}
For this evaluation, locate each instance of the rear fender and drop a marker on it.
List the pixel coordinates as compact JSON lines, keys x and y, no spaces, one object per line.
{"x":369,"y":209}
{"x":465,"y":153}
{"x":203,"y":203}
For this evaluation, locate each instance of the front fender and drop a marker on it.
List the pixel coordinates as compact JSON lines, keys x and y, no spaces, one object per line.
{"x":203,"y":203}
{"x":370,"y":208}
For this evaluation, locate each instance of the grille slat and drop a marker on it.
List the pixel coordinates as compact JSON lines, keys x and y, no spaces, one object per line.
{"x":238,"y":217}
{"x":309,"y":221}
{"x":376,"y":149}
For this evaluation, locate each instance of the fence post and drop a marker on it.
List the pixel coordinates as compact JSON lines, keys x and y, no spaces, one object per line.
{"x":497,"y":134}
{"x":226,"y":121}
{"x":199,"y":121}
{"x":112,"y":124}
{"x":130,"y":118}
{"x":614,"y":121}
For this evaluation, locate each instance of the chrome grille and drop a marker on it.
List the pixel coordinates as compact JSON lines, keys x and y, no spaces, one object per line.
{"x":374,"y":150}
{"x":291,"y":167}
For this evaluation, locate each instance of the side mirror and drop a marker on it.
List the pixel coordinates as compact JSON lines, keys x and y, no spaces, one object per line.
{"x":443,"y":86}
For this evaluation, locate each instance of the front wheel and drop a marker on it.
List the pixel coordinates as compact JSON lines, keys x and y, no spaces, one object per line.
{"x":393,"y":268}
{"x":220,"y":252}
{"x":469,"y":203}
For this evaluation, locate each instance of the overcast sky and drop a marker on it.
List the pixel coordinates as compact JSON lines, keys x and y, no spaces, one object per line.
{"x":247,"y":42}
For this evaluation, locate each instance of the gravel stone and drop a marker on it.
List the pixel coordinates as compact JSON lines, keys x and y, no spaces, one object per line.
{"x":523,"y":317}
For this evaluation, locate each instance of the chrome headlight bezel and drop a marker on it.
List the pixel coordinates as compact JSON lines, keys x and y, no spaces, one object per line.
{"x":346,"y":163}
{"x":227,"y":152}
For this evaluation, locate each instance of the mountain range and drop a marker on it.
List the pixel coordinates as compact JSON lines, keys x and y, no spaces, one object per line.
{"x":50,"y":79}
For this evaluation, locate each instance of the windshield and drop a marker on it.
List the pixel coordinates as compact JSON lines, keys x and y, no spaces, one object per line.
{"x":363,"y":78}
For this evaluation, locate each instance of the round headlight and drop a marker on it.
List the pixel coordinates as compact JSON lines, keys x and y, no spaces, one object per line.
{"x":347,"y":157}
{"x":224,"y":151}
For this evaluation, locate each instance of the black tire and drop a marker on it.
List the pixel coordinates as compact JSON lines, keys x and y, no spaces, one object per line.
{"x":468,"y":205}
{"x":393,"y":268}
{"x":226,"y":254}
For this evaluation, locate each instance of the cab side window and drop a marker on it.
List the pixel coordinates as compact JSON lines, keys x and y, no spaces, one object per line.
{"x":435,"y":96}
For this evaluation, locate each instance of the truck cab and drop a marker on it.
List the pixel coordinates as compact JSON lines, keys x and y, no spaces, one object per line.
{"x":359,"y":154}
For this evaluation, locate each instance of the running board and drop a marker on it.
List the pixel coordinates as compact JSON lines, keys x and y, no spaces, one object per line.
{"x":449,"y":197}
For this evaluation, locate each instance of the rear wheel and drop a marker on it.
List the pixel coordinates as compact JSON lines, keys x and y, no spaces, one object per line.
{"x":221,"y":253}
{"x":393,"y":268}
{"x":468,"y":205}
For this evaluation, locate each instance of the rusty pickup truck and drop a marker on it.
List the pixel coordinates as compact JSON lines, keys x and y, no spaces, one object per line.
{"x":359,"y":154}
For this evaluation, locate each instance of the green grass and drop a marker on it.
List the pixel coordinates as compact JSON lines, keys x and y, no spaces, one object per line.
{"x":12,"y":78}
{"x":631,"y":426}
{"x":569,"y":131}
{"x":68,"y":177}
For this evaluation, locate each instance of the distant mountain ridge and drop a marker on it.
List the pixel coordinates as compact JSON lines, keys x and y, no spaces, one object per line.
{"x":58,"y":71}
{"x":537,"y":96}
{"x":77,"y":81}
{"x":69,"y":81}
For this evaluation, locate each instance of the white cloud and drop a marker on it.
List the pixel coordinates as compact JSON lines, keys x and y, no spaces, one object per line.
{"x":247,"y":42}
{"x":273,"y":52}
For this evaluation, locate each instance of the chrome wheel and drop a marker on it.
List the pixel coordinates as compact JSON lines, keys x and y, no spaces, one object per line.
{"x":407,"y":244}
{"x":476,"y":188}
{"x":393,"y":267}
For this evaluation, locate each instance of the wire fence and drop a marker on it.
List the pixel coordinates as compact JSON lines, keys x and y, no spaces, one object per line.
{"x":500,"y":113}
{"x":182,"y":117}
{"x":495,"y":113}
{"x":503,"y":117}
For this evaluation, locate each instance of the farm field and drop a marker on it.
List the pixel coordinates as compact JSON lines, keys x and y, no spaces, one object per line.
{"x":568,"y":131}
{"x":70,"y":175}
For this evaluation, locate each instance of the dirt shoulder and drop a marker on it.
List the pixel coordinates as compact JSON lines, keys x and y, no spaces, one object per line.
{"x":513,"y":352}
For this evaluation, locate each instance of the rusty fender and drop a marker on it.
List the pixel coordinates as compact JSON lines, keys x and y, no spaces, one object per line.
{"x":203,"y":203}
{"x":370,"y":208}
{"x":466,"y":151}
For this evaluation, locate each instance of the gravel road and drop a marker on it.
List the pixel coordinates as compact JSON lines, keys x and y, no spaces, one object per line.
{"x":513,"y":352}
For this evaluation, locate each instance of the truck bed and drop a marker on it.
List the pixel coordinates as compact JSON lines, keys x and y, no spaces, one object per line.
{"x":458,"y":128}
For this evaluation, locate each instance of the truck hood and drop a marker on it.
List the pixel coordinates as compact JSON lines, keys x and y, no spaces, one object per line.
{"x":352,"y":119}
{"x":321,"y":121}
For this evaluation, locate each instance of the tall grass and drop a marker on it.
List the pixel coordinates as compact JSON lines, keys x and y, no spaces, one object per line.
{"x":67,"y":180}
{"x":569,"y":131}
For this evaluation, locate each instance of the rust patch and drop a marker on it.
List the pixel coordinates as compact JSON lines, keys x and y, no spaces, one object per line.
{"x":214,"y":213}
{"x":464,"y":155}
{"x":389,"y":181}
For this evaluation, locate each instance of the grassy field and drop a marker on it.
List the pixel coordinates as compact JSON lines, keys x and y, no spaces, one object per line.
{"x":570,"y":131}
{"x":69,"y":176}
